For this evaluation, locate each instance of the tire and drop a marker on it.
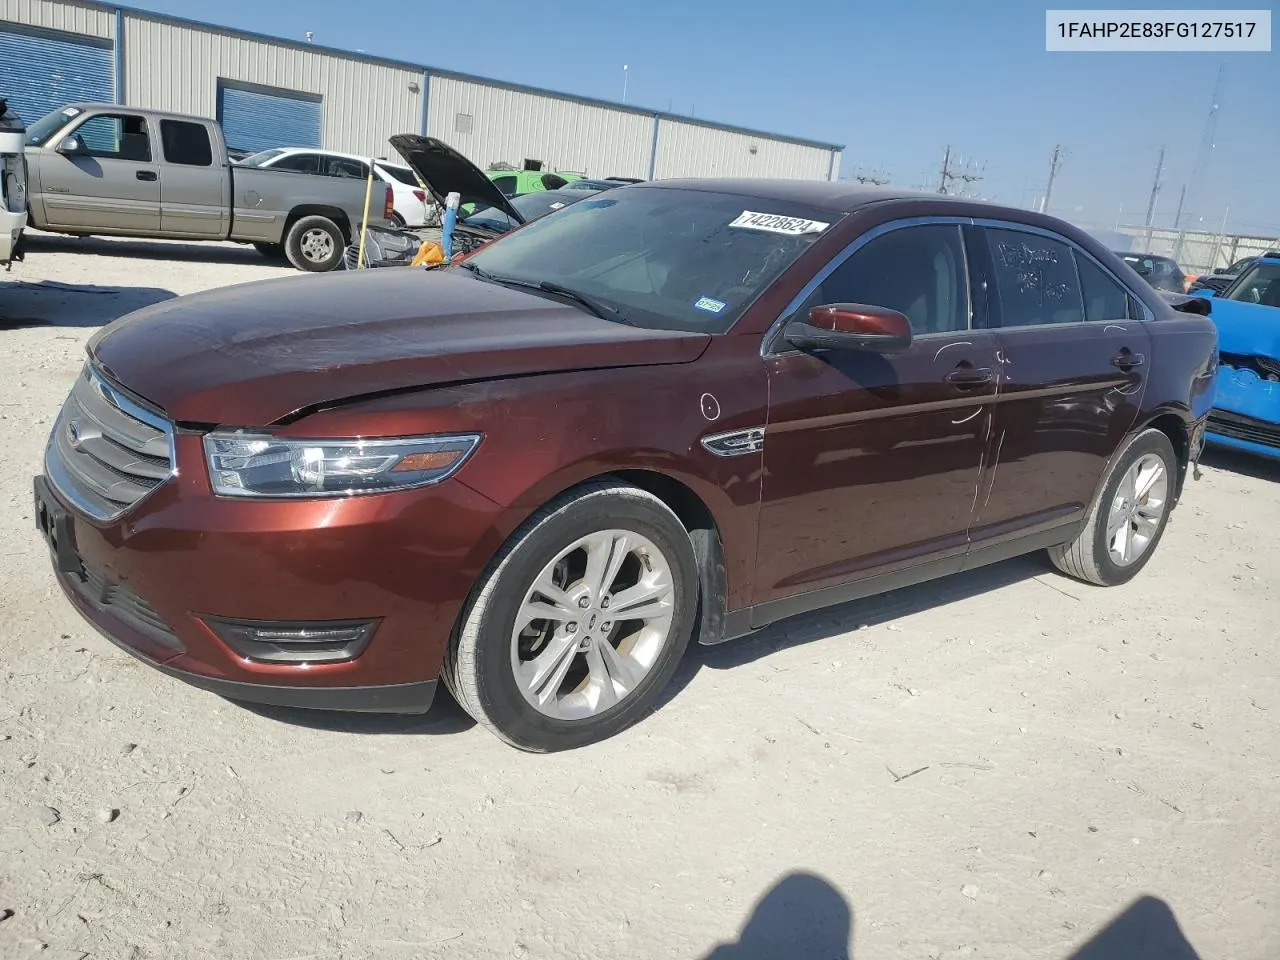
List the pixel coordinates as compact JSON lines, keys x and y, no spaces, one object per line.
{"x":272,"y":251}
{"x":396,"y":220}
{"x":1090,"y":557}
{"x":487,"y":656}
{"x":314,"y":244}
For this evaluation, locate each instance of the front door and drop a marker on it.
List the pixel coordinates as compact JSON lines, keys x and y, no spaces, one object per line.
{"x":872,"y":461}
{"x":1074,"y":353}
{"x":112,"y":185}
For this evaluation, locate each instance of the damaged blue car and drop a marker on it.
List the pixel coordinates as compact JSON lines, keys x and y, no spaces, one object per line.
{"x":1246,"y":413}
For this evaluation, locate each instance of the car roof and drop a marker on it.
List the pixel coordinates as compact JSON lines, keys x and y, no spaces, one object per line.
{"x":380,"y":161}
{"x":837,"y":196}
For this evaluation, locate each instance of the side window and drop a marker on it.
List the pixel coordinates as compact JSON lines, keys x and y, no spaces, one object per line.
{"x":186,"y":143}
{"x":1104,"y":299}
{"x":506,"y":185}
{"x":551,"y":182}
{"x":114,"y":136}
{"x":918,"y":271}
{"x":1035,"y":279}
{"x":298,"y":163}
{"x":342,"y":167}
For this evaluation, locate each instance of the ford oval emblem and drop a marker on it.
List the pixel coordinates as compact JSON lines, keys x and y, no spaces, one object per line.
{"x":73,"y":434}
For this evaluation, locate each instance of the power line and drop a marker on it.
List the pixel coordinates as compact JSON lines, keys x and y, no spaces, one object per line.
{"x":948,"y":175}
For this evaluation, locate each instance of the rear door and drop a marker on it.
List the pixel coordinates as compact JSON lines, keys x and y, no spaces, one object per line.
{"x":112,"y":185}
{"x":872,"y":461}
{"x":1074,"y":355}
{"x":195,"y":189}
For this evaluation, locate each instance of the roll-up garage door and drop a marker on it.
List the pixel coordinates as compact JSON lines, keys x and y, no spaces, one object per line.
{"x":257,"y":119}
{"x":42,"y":70}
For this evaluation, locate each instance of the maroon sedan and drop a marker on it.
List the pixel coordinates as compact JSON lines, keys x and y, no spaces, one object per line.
{"x":677,"y":410}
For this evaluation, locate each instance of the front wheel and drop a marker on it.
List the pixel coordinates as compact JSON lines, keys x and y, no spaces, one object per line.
{"x":314,"y":244}
{"x":579,"y":622}
{"x":1128,"y":518}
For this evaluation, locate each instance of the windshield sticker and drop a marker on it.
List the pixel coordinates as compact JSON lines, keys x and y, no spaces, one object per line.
{"x":710,"y":305}
{"x":775,"y":223}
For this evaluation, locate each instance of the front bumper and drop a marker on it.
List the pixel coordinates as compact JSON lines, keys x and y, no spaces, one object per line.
{"x":152,"y":578}
{"x":1246,"y":413}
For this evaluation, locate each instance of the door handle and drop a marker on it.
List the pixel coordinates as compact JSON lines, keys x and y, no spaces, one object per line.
{"x":1127,"y":360}
{"x":966,"y":378}
{"x":145,"y":175}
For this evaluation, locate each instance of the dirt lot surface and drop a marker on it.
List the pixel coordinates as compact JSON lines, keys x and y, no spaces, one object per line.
{"x":996,"y":765}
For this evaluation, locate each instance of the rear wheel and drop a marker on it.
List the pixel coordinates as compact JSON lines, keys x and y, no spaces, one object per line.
{"x":396,"y":220}
{"x":1128,"y":518}
{"x":580,"y":621}
{"x":314,"y":244}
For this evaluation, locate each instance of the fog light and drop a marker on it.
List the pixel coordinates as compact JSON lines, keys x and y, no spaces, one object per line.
{"x":315,"y":641}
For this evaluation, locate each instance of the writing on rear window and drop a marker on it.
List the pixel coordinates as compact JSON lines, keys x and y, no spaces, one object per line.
{"x":775,"y":223}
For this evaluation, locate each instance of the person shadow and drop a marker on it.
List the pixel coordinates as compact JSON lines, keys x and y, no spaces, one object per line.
{"x":801,"y":916}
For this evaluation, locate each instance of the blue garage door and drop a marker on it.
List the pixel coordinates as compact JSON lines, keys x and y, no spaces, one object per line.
{"x":41,"y":71}
{"x":256,"y":120}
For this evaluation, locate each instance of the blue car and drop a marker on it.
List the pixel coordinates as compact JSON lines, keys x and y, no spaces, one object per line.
{"x":1246,"y":413}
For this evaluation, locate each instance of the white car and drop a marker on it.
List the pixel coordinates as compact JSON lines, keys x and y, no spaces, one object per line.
{"x":13,"y":185}
{"x":413,"y":205}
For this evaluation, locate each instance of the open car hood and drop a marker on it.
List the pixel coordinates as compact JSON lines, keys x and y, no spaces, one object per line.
{"x":444,"y":170}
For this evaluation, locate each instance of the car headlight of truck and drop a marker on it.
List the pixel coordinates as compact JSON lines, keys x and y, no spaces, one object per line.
{"x":261,"y":465}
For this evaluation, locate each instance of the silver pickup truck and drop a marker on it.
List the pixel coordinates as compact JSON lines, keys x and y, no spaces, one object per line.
{"x":111,"y":170}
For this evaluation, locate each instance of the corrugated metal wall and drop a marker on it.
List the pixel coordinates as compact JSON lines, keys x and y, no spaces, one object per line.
{"x":60,"y":15}
{"x":363,"y":102}
{"x":690,"y":150}
{"x":177,"y":66}
{"x":489,"y":123}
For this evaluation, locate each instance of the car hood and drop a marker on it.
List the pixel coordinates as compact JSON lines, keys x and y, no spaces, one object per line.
{"x":1248,"y":329}
{"x":444,"y":170}
{"x":262,"y":353}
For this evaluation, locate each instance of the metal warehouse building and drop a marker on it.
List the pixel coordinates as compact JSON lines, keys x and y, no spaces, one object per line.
{"x":271,"y":92}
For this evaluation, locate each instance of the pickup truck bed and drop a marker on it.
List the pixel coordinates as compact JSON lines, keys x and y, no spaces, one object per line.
{"x":112,"y":170}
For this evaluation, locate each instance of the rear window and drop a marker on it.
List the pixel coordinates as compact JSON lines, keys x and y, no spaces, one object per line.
{"x":403,"y":174}
{"x":186,"y":143}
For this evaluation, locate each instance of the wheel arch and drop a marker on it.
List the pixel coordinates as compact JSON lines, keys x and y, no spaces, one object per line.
{"x":336,"y":214}
{"x":1176,"y":426}
{"x":690,"y":508}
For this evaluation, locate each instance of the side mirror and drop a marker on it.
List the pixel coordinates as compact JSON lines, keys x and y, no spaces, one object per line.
{"x":70,"y":146}
{"x":851,"y":326}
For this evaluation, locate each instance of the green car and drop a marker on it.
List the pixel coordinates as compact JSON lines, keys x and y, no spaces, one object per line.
{"x":516,"y":183}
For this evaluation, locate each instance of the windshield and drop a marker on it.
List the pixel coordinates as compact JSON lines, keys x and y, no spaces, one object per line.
{"x":663,"y":258}
{"x":49,"y":124}
{"x":1259,"y":284}
{"x":403,"y":174}
{"x":258,"y":159}
{"x":534,"y":205}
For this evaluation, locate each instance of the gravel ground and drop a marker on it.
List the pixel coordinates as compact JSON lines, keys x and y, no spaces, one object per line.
{"x":996,"y":765}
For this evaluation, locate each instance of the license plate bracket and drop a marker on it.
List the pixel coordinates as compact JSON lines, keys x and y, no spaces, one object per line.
{"x":58,"y":528}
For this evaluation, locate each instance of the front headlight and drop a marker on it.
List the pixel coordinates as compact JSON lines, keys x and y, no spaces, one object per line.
{"x":260,"y":465}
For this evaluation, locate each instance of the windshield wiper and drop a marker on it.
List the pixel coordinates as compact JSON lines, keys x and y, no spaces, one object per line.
{"x":600,"y":309}
{"x":596,"y":307}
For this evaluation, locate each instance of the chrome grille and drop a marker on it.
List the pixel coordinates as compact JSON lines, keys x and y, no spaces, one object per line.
{"x":106,"y":451}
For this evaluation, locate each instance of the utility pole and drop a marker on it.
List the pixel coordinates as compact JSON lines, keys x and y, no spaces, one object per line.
{"x":947,"y":176}
{"x":1155,"y":190}
{"x":624,"y":83}
{"x":1177,"y":223}
{"x":1053,"y":174}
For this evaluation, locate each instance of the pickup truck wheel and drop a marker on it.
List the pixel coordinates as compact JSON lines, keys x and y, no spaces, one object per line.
{"x":314,"y":244}
{"x":1127,"y":520}
{"x":579,"y":622}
